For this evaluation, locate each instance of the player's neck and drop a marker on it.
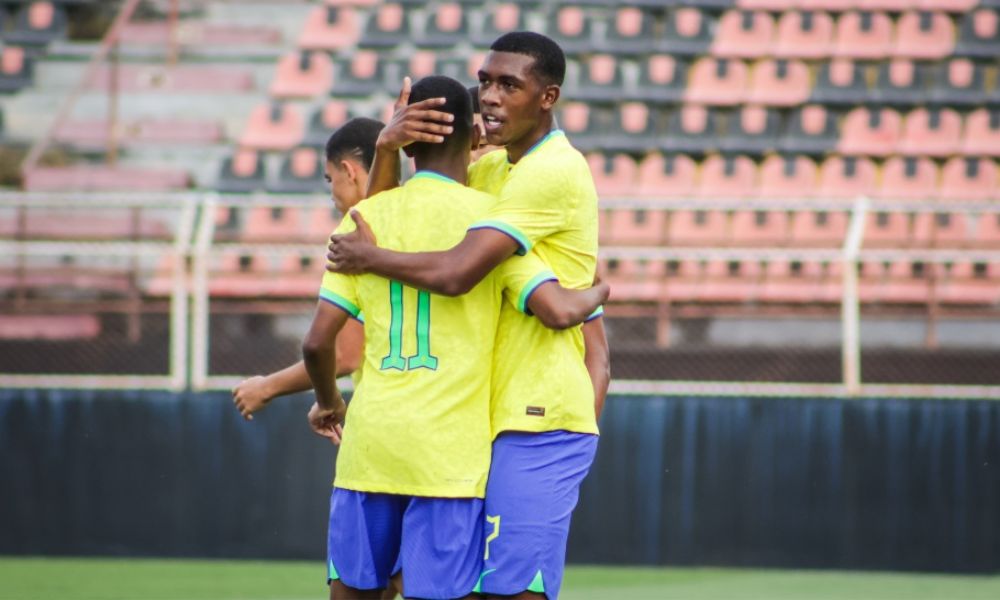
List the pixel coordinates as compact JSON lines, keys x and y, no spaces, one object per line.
{"x":453,"y":167}
{"x":517,"y":149}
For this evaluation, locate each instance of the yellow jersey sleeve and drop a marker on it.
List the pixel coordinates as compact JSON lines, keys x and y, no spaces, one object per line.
{"x":520,"y":276}
{"x":342,"y":290}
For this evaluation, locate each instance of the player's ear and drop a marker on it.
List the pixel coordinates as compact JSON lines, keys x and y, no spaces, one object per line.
{"x":350,"y":169}
{"x":550,"y":95}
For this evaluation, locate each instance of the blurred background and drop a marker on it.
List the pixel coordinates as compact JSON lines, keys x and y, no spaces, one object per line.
{"x":800,"y":221}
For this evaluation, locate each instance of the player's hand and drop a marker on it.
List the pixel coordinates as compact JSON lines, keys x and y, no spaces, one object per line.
{"x":417,"y":122}
{"x":328,"y":423}
{"x":251,"y":396}
{"x":348,"y":252}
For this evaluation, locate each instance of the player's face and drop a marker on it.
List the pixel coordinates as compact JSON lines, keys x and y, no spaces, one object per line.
{"x":347,"y":183}
{"x":483,"y":147}
{"x":511,"y":97}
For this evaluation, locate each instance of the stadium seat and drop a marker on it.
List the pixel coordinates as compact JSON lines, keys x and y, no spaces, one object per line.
{"x":361,"y":75}
{"x":571,"y":28}
{"x":863,"y":35}
{"x":884,"y":5}
{"x":787,"y":176}
{"x":728,"y":177}
{"x":301,"y":173}
{"x":775,"y":6}
{"x":760,"y":227}
{"x":272,"y":224}
{"x":729,"y":281}
{"x":688,"y":33}
{"x":719,"y":82}
{"x":600,"y":79}
{"x":303,"y":74}
{"x":632,"y":32}
{"x":752,"y":130}
{"x":870,"y":131}
{"x":635,"y":129}
{"x":446,"y":26}
{"x":637,"y":227}
{"x":846,"y":177}
{"x":971,"y":283}
{"x":697,"y":228}
{"x":932,"y":132}
{"x":811,"y":129}
{"x":982,"y":133}
{"x":900,"y":82}
{"x":979,"y":34}
{"x":819,"y":227}
{"x":322,"y":222}
{"x":692,"y":129}
{"x":274,"y":126}
{"x":887,"y":229}
{"x":388,"y":27}
{"x":779,"y":82}
{"x":743,"y":34}
{"x":681,"y":281}
{"x":959,"y":82}
{"x":795,"y":281}
{"x":16,"y":69}
{"x":924,"y":36}
{"x":324,"y":122}
{"x":37,"y":24}
{"x":807,"y":35}
{"x":906,"y":283}
{"x":840,"y":81}
{"x":84,"y":177}
{"x":584,"y":125}
{"x":464,"y":69}
{"x":908,"y":178}
{"x":502,"y":19}
{"x":969,"y":179}
{"x":666,"y":176}
{"x":242,"y":173}
{"x":182,"y":78}
{"x":955,"y":6}
{"x":331,"y":28}
{"x":614,"y":175}
{"x":662,"y":79}
{"x":638,"y":280}
{"x":422,"y":63}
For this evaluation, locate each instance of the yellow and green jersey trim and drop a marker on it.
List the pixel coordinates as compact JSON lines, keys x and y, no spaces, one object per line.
{"x":523,"y":243}
{"x":530,"y":287}
{"x":342,"y":303}
{"x":598,"y":312}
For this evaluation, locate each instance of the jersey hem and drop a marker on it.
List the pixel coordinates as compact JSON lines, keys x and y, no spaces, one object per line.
{"x":470,"y":493}
{"x":523,"y":243}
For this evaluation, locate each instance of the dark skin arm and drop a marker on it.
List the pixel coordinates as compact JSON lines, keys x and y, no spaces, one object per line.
{"x":597,"y":360}
{"x":561,"y":308}
{"x":319,"y":353}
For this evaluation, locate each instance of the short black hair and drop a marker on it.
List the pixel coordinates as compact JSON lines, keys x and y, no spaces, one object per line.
{"x":356,"y":139}
{"x":457,"y":102}
{"x":474,"y":94}
{"x":550,"y":62}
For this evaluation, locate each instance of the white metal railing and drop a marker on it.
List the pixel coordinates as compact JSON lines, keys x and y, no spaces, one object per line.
{"x":194,"y":244}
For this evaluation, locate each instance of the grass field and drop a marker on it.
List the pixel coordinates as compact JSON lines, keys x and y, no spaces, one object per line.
{"x":32,"y":578}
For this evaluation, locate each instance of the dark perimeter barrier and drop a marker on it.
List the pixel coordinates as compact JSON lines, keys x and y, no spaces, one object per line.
{"x":774,"y":482}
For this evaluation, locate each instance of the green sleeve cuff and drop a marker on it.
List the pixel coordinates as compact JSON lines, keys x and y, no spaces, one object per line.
{"x":524,"y":244}
{"x":598,"y":312}
{"x":530,"y":287}
{"x":340,"y":302}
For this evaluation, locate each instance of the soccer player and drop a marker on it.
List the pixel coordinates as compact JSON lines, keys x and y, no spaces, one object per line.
{"x":546,"y":395}
{"x":413,"y":464}
{"x":349,"y":153}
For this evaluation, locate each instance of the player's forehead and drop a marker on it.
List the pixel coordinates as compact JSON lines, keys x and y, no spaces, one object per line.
{"x":508,"y":64}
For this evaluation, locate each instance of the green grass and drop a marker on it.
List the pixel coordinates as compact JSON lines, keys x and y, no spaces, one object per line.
{"x":67,"y":579}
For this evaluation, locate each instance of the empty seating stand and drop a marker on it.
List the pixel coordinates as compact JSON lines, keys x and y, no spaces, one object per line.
{"x":274,"y":126}
{"x":242,"y":173}
{"x":572,"y":28}
{"x":387,"y":27}
{"x":688,"y":33}
{"x":743,"y":34}
{"x":301,"y":173}
{"x":303,"y":74}
{"x":324,"y":122}
{"x":811,"y":129}
{"x":979,"y":34}
{"x":330,"y":27}
{"x":900,"y":82}
{"x":600,"y":79}
{"x":752,"y":130}
{"x":363,"y":74}
{"x":502,"y":19}
{"x":633,"y":31}
{"x":958,"y":82}
{"x":662,"y":79}
{"x":16,"y":69}
{"x":37,"y":24}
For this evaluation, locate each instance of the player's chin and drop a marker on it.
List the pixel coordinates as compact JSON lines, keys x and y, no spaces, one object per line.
{"x":496,"y":138}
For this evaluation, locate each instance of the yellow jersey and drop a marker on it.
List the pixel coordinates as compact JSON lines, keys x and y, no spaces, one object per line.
{"x":418,"y":423}
{"x":547,"y":204}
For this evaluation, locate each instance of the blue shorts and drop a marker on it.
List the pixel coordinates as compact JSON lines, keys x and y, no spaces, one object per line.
{"x":532,"y":490}
{"x":437,"y":542}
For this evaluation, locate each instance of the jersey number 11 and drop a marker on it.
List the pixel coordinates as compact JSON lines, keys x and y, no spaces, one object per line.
{"x":423,"y":359}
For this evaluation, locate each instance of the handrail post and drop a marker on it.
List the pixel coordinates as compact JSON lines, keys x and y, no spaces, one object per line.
{"x":850,"y":302}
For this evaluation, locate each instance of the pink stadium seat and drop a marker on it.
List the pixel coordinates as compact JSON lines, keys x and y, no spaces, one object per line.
{"x":924,"y":35}
{"x":682,"y":280}
{"x":387,"y":28}
{"x":982,"y":133}
{"x":833,"y":6}
{"x":819,"y":227}
{"x":102,"y":178}
{"x":301,"y":173}
{"x":884,"y":5}
{"x":811,"y":130}
{"x":760,"y":227}
{"x":988,"y":230}
{"x":841,"y":81}
{"x":600,"y":79}
{"x":863,"y":35}
{"x":242,"y":173}
{"x":697,"y":228}
{"x":575,"y":120}
{"x":729,"y":281}
{"x":887,"y":229}
{"x":571,"y":28}
{"x":980,"y":34}
{"x":633,"y":31}
{"x":787,"y":177}
{"x":662,"y":78}
{"x":273,"y":224}
{"x":934,"y":132}
{"x":719,"y":82}
{"x":956,"y":6}
{"x":324,"y":121}
{"x":794,"y":281}
{"x":968,"y":178}
{"x":37,"y":24}
{"x":752,"y":130}
{"x":779,"y":82}
{"x":743,"y":34}
{"x":692,"y":129}
{"x":688,"y":33}
{"x":321,"y":223}
{"x":273,"y":127}
{"x":768,"y":5}
{"x":908,"y":178}
{"x":728,"y":177}
{"x":637,"y":227}
{"x":900,"y":82}
{"x":971,"y":283}
{"x":180,"y":78}
{"x":614,"y":176}
{"x":422,"y":64}
{"x":503,"y":18}
{"x":804,"y":35}
{"x":49,"y":327}
{"x":906,"y":284}
{"x":870,"y":131}
{"x":636,"y":129}
{"x":445,"y":27}
{"x":15,"y":69}
{"x":635,"y":280}
{"x":846,"y":177}
{"x":959,"y":82}
{"x":942,"y":229}
{"x":330,"y":27}
{"x":671,"y":176}
{"x":303,"y":75}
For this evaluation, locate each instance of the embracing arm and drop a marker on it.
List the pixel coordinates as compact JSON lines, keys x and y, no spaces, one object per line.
{"x":598,"y":361}
{"x":561,"y":308}
{"x":320,"y":355}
